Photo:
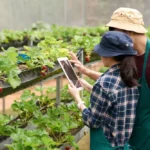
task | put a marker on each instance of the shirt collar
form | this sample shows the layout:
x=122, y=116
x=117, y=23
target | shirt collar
x=114, y=67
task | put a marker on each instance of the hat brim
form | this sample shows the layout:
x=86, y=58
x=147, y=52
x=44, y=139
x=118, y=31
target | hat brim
x=127, y=26
x=101, y=51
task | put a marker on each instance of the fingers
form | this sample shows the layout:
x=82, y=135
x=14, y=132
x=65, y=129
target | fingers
x=69, y=87
x=75, y=61
x=73, y=56
x=71, y=84
x=82, y=80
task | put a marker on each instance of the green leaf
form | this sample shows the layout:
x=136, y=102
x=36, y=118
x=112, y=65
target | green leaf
x=14, y=81
x=12, y=54
x=26, y=95
x=4, y=63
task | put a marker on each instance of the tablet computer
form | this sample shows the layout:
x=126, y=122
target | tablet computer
x=69, y=72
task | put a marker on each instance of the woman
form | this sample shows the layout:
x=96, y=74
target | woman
x=114, y=96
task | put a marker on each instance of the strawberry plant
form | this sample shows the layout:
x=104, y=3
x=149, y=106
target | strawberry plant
x=44, y=68
x=53, y=49
x=39, y=25
x=85, y=42
x=57, y=122
x=7, y=36
x=31, y=139
x=63, y=33
x=9, y=70
x=38, y=35
x=87, y=58
x=37, y=58
x=65, y=96
x=68, y=33
x=5, y=130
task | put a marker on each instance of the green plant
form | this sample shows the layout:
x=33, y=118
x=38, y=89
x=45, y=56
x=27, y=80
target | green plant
x=31, y=140
x=57, y=122
x=37, y=58
x=85, y=42
x=5, y=130
x=53, y=48
x=65, y=96
x=40, y=25
x=9, y=70
x=7, y=36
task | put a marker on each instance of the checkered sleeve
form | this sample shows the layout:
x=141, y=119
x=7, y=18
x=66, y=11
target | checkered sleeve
x=94, y=116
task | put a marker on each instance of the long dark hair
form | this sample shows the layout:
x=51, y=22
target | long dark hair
x=128, y=70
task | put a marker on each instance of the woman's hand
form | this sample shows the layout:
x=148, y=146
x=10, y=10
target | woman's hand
x=77, y=63
x=86, y=85
x=74, y=92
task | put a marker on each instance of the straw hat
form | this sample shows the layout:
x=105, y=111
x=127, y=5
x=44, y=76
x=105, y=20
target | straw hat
x=127, y=19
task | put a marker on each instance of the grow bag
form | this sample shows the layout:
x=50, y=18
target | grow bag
x=78, y=135
x=14, y=44
x=29, y=78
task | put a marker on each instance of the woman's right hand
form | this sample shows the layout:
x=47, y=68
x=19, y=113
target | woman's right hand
x=77, y=63
x=86, y=85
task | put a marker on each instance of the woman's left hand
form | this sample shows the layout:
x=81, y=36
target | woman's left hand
x=74, y=91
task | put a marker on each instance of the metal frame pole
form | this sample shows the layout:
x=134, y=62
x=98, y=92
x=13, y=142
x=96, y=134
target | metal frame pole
x=58, y=89
x=30, y=43
x=3, y=105
x=81, y=58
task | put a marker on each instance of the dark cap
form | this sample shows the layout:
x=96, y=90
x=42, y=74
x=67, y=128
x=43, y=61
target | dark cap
x=115, y=43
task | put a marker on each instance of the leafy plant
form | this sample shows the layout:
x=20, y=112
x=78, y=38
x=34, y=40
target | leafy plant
x=5, y=130
x=65, y=96
x=9, y=70
x=85, y=42
x=7, y=36
x=37, y=58
x=58, y=123
x=40, y=25
x=31, y=140
x=53, y=48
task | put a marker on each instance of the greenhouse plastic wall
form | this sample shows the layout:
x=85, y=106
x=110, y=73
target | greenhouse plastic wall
x=20, y=14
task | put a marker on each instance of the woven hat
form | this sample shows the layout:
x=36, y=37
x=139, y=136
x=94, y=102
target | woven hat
x=127, y=19
x=115, y=43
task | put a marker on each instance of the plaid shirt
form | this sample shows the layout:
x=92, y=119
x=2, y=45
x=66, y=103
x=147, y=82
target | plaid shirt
x=112, y=107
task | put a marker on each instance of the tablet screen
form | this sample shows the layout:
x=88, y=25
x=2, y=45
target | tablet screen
x=69, y=71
